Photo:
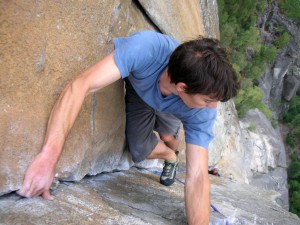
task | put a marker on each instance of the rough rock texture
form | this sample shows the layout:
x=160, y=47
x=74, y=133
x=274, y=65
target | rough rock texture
x=191, y=16
x=209, y=12
x=263, y=142
x=282, y=79
x=182, y=20
x=136, y=197
x=265, y=155
x=249, y=151
x=291, y=81
x=227, y=151
x=42, y=47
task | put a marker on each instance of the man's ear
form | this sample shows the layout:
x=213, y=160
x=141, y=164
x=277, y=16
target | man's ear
x=180, y=87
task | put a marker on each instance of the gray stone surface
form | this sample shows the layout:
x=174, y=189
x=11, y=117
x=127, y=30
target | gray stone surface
x=265, y=154
x=276, y=91
x=291, y=86
x=43, y=46
x=182, y=19
x=227, y=150
x=210, y=18
x=249, y=150
x=136, y=197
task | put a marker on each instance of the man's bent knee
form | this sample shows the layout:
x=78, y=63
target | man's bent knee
x=140, y=150
x=167, y=137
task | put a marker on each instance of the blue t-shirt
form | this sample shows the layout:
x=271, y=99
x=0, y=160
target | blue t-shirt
x=143, y=57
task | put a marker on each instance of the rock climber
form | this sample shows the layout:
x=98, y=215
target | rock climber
x=167, y=83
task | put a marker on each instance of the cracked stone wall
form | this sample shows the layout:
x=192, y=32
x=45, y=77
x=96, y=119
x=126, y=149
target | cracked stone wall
x=43, y=46
x=136, y=197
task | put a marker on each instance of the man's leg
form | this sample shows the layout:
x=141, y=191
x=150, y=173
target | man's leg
x=141, y=120
x=168, y=128
x=140, y=123
x=162, y=151
x=166, y=149
x=171, y=141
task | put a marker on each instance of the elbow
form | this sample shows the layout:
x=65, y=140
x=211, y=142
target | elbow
x=78, y=86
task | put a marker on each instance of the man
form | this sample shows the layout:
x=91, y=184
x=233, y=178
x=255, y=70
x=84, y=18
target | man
x=165, y=83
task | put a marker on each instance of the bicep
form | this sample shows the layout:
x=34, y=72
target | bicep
x=100, y=75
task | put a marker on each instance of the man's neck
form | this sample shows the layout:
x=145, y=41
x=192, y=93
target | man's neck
x=165, y=86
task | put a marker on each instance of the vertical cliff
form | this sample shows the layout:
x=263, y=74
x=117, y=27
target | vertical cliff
x=281, y=80
x=42, y=47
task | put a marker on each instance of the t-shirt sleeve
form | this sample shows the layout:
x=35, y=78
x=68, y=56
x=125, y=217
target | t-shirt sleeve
x=199, y=128
x=134, y=53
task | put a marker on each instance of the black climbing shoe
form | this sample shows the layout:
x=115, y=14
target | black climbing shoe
x=168, y=174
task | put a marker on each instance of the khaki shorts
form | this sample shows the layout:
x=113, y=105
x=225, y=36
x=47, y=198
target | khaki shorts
x=141, y=121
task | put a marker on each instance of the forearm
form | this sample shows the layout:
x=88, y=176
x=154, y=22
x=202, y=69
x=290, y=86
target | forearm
x=40, y=173
x=197, y=199
x=197, y=186
x=62, y=118
x=67, y=107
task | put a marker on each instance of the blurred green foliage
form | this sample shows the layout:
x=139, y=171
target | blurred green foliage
x=282, y=40
x=291, y=8
x=239, y=34
x=249, y=98
x=250, y=57
x=292, y=117
x=294, y=185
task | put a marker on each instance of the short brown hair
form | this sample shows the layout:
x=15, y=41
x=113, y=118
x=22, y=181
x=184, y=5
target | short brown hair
x=204, y=67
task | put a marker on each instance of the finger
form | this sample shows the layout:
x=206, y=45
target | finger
x=30, y=190
x=36, y=190
x=19, y=192
x=46, y=194
x=25, y=188
x=36, y=193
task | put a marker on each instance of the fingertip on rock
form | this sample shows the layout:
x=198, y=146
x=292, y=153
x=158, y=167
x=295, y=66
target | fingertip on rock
x=48, y=196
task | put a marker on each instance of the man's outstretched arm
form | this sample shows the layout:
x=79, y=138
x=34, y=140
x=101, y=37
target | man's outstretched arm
x=197, y=186
x=40, y=174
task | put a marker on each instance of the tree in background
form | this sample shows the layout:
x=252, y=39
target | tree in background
x=294, y=185
x=250, y=56
x=291, y=8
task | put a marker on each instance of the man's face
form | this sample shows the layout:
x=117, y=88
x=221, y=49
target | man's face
x=195, y=100
x=198, y=100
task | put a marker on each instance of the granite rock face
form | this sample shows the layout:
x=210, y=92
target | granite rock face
x=227, y=151
x=281, y=80
x=43, y=47
x=265, y=155
x=182, y=20
x=209, y=13
x=136, y=197
x=249, y=150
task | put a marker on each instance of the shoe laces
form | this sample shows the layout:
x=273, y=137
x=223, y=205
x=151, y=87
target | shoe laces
x=167, y=168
